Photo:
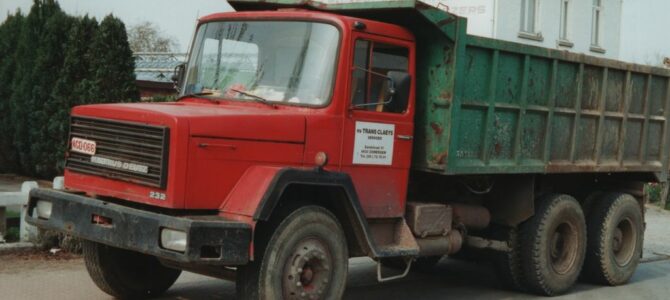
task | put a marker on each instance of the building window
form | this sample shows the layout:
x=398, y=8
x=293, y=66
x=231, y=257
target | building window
x=529, y=20
x=596, y=26
x=563, y=39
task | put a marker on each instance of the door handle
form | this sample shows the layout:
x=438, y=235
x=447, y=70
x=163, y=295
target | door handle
x=405, y=137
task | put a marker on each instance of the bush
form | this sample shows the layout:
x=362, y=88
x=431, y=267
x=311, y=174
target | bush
x=653, y=191
x=55, y=61
x=12, y=235
x=48, y=239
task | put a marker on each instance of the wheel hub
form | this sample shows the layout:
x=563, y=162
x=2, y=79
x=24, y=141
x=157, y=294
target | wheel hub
x=563, y=248
x=308, y=271
x=616, y=240
x=624, y=238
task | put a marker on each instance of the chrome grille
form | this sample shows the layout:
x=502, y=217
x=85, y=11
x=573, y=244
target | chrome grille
x=122, y=142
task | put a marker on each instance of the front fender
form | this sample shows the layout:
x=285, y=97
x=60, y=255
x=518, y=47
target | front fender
x=260, y=189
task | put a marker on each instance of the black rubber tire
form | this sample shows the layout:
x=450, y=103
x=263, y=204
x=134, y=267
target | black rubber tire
x=616, y=214
x=125, y=274
x=264, y=278
x=508, y=264
x=558, y=223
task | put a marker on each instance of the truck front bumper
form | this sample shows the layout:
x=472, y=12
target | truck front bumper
x=211, y=240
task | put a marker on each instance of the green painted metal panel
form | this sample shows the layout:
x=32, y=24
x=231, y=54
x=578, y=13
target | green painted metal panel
x=488, y=106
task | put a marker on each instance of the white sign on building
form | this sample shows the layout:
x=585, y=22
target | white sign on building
x=480, y=14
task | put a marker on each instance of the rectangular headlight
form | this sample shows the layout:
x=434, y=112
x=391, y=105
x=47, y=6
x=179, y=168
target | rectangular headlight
x=43, y=209
x=173, y=239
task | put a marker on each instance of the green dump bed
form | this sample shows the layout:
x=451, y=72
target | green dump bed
x=488, y=106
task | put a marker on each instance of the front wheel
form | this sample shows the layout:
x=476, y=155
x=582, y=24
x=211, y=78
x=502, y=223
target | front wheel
x=304, y=258
x=125, y=274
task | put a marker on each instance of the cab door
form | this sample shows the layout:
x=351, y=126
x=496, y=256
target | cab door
x=378, y=125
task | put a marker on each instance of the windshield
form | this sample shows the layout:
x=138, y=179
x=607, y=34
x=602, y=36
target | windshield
x=273, y=61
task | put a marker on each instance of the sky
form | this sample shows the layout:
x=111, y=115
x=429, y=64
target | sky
x=175, y=18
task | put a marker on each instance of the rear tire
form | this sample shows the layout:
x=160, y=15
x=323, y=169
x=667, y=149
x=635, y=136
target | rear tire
x=304, y=258
x=508, y=264
x=553, y=245
x=126, y=274
x=615, y=235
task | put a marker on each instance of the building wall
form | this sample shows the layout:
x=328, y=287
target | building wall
x=505, y=22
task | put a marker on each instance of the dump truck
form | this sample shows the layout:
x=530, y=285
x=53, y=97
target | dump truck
x=308, y=133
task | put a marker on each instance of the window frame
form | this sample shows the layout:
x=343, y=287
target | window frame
x=338, y=55
x=368, y=73
x=596, y=27
x=529, y=25
x=564, y=28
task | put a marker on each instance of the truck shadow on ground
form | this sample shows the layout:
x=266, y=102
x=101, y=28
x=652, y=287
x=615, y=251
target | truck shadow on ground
x=451, y=279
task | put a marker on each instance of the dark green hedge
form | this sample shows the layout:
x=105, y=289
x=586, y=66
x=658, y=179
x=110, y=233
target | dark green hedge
x=50, y=62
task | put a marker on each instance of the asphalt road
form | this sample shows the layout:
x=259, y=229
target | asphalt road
x=449, y=280
x=40, y=278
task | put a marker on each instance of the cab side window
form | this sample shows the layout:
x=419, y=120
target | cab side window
x=370, y=83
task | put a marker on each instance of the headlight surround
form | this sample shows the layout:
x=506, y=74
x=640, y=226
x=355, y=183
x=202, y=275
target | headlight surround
x=174, y=240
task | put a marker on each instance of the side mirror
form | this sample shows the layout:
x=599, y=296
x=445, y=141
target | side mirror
x=178, y=76
x=401, y=84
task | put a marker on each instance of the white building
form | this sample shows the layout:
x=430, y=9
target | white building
x=585, y=26
x=628, y=30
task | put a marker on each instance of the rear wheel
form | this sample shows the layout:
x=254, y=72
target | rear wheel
x=553, y=245
x=125, y=274
x=508, y=264
x=304, y=258
x=615, y=233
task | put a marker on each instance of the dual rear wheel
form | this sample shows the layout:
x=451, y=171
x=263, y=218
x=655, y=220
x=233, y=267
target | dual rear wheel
x=551, y=250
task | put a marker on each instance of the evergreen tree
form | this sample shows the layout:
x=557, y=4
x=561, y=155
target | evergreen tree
x=10, y=31
x=112, y=66
x=50, y=62
x=24, y=89
x=66, y=93
x=48, y=65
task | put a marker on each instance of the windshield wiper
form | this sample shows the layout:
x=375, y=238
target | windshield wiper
x=199, y=96
x=255, y=97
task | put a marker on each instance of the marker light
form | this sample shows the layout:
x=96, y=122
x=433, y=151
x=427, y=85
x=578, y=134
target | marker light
x=173, y=239
x=44, y=209
x=321, y=159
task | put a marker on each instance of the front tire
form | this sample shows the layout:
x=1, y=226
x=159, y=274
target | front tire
x=553, y=245
x=126, y=274
x=304, y=258
x=615, y=235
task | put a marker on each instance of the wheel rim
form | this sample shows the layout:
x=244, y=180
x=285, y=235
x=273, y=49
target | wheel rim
x=308, y=272
x=563, y=246
x=623, y=241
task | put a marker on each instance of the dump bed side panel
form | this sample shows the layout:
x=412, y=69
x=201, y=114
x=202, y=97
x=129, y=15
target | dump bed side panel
x=527, y=109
